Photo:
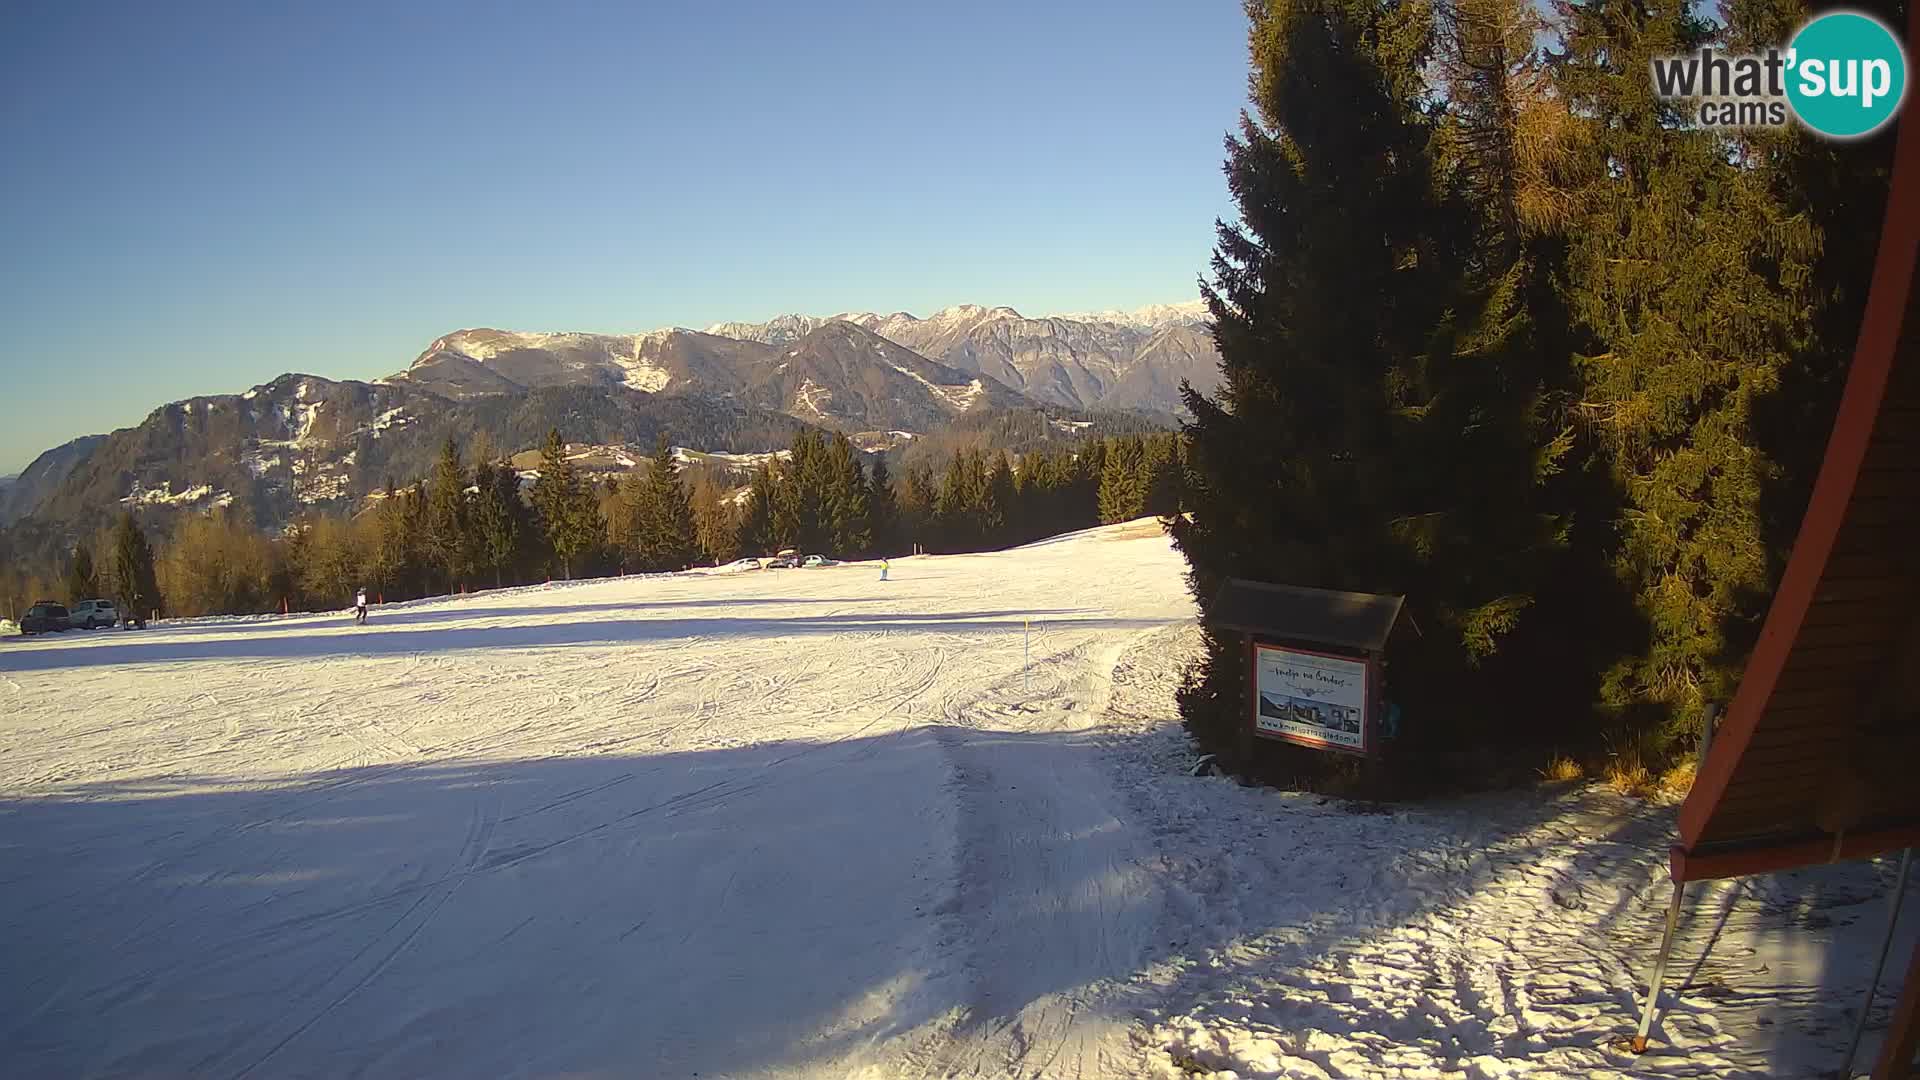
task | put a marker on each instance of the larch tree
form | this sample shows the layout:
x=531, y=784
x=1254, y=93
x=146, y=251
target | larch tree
x=1693, y=280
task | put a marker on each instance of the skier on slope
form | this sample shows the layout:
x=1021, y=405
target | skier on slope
x=360, y=606
x=883, y=568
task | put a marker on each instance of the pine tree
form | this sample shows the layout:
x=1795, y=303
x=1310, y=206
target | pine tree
x=956, y=512
x=497, y=518
x=757, y=533
x=919, y=496
x=662, y=530
x=808, y=474
x=567, y=509
x=415, y=522
x=390, y=553
x=845, y=502
x=1331, y=300
x=997, y=504
x=449, y=531
x=1123, y=482
x=883, y=510
x=133, y=571
x=1693, y=280
x=82, y=584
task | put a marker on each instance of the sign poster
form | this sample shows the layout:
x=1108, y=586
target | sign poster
x=1310, y=698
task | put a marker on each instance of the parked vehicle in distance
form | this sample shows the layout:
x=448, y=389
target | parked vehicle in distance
x=91, y=614
x=782, y=562
x=818, y=560
x=46, y=617
x=743, y=564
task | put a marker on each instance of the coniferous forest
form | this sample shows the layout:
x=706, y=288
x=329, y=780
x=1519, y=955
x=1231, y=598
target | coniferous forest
x=476, y=521
x=1507, y=335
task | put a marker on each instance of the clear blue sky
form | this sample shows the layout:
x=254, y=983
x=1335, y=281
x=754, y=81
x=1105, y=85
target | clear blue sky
x=196, y=197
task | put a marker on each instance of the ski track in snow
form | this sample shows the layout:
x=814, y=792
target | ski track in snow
x=806, y=824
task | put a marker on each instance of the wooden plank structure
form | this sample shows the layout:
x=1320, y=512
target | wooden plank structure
x=1818, y=757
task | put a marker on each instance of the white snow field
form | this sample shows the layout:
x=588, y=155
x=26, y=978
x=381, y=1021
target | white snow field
x=804, y=823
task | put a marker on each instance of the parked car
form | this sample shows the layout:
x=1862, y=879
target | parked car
x=782, y=562
x=46, y=617
x=743, y=564
x=819, y=560
x=90, y=614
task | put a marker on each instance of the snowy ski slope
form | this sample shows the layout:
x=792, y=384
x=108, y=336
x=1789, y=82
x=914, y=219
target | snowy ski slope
x=808, y=824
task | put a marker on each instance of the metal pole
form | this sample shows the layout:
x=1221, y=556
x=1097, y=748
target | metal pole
x=1659, y=968
x=1026, y=655
x=1886, y=941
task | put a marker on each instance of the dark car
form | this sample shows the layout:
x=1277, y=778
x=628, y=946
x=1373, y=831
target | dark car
x=46, y=617
x=783, y=562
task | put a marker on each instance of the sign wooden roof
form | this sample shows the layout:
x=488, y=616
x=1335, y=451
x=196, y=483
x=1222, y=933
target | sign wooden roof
x=1352, y=620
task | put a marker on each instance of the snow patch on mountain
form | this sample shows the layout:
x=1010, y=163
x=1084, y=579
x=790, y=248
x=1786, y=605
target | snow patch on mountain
x=810, y=397
x=1151, y=317
x=164, y=495
x=960, y=398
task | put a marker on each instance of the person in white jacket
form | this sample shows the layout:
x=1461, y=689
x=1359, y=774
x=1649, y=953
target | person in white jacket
x=360, y=606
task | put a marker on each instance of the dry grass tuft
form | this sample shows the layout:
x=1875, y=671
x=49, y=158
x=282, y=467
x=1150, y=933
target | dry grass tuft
x=1563, y=769
x=1677, y=781
x=1627, y=774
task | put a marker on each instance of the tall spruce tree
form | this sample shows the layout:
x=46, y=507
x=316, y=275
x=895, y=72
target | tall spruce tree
x=133, y=572
x=919, y=498
x=845, y=500
x=1841, y=189
x=883, y=510
x=1123, y=490
x=390, y=550
x=82, y=582
x=449, y=530
x=997, y=504
x=568, y=509
x=1693, y=280
x=757, y=533
x=1353, y=399
x=662, y=532
x=498, y=518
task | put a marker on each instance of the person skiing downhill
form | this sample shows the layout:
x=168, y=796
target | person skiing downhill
x=360, y=606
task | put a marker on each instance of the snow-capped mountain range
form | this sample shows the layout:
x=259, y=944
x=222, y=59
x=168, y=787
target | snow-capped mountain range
x=306, y=441
x=1108, y=360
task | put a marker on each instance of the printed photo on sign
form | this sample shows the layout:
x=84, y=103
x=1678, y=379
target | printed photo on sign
x=1313, y=698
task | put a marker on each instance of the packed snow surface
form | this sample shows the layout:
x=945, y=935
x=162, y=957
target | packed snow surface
x=803, y=823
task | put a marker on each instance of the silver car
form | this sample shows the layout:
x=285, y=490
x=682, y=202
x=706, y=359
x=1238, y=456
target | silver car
x=90, y=614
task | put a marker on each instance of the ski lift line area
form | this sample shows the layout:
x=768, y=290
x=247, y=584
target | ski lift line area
x=1817, y=756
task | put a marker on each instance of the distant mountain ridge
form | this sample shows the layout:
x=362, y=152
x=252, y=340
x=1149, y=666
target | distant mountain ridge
x=20, y=494
x=1108, y=360
x=836, y=374
x=305, y=441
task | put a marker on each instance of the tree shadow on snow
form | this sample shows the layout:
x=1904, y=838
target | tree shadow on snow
x=710, y=912
x=1520, y=927
x=390, y=636
x=452, y=608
